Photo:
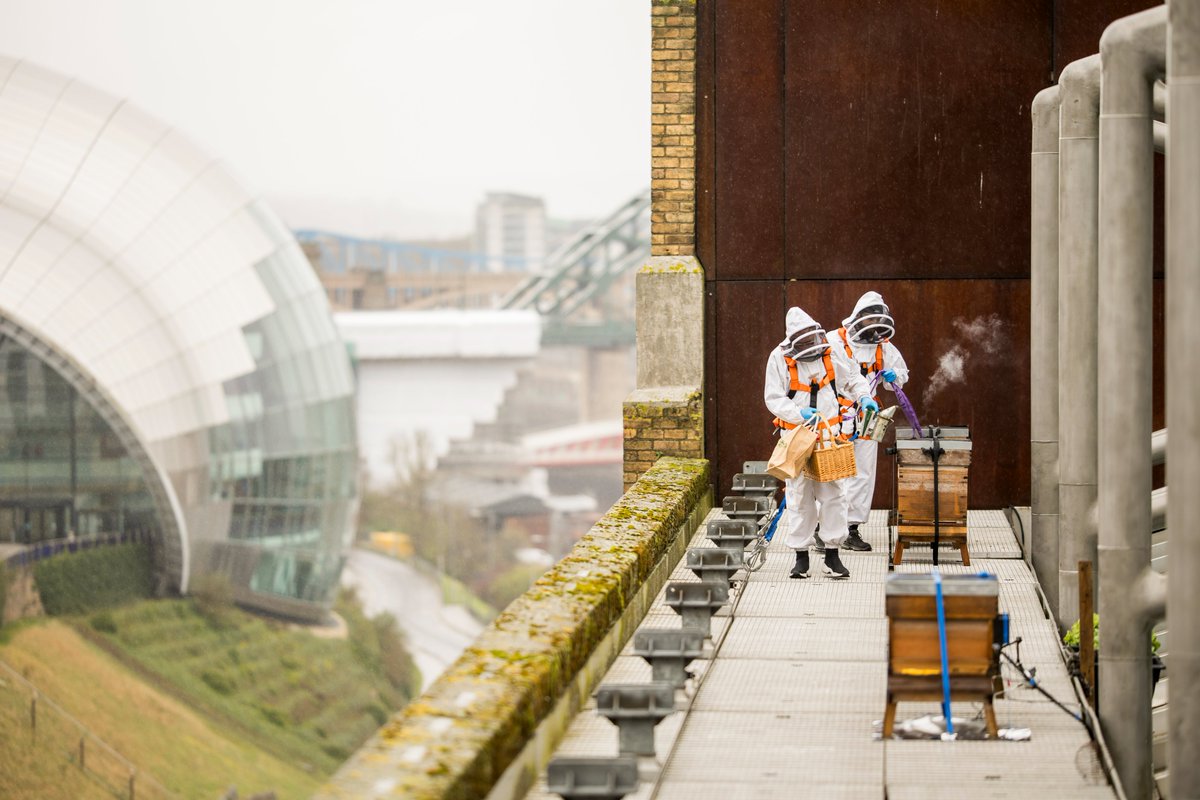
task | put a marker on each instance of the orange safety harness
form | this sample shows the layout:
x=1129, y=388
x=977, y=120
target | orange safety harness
x=866, y=366
x=814, y=388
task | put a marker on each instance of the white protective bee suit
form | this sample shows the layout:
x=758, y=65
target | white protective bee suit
x=869, y=358
x=800, y=519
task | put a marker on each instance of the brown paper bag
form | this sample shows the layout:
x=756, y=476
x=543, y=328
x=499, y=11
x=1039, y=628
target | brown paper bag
x=791, y=452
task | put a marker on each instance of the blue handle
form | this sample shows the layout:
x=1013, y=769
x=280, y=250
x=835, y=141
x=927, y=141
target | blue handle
x=941, y=618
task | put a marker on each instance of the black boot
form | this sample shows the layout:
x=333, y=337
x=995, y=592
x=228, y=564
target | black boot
x=834, y=567
x=855, y=541
x=800, y=570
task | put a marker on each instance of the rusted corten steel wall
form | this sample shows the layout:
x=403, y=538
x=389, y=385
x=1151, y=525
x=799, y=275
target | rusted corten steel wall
x=842, y=147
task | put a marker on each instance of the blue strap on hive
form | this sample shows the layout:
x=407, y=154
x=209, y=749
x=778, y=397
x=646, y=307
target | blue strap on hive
x=941, y=618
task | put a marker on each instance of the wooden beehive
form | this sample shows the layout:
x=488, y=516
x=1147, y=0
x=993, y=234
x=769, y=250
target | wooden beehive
x=915, y=490
x=971, y=604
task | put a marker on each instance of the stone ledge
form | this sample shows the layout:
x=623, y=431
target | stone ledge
x=457, y=739
x=662, y=395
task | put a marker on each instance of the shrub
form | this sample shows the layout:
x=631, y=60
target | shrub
x=104, y=622
x=378, y=713
x=3, y=591
x=273, y=715
x=336, y=751
x=219, y=681
x=379, y=646
x=212, y=594
x=1071, y=637
x=398, y=666
x=79, y=583
x=511, y=584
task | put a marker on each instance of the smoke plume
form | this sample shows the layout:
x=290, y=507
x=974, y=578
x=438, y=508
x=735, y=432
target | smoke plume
x=981, y=341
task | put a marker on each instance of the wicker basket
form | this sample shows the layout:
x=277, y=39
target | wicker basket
x=831, y=460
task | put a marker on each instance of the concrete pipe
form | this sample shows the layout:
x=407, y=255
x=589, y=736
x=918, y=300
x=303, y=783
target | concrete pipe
x=1158, y=509
x=1160, y=137
x=1043, y=356
x=1183, y=415
x=1079, y=130
x=1133, y=50
x=1158, y=447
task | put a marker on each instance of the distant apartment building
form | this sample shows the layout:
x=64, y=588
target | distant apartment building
x=381, y=275
x=511, y=228
x=513, y=241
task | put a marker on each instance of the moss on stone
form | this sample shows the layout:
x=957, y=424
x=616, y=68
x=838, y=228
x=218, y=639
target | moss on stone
x=679, y=265
x=500, y=689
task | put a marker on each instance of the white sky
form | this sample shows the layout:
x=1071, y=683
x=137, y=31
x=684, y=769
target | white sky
x=377, y=117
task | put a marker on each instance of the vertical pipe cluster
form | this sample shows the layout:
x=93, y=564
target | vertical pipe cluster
x=1079, y=132
x=1133, y=54
x=1183, y=388
x=1109, y=109
x=1043, y=357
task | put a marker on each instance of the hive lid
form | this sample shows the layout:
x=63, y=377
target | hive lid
x=913, y=583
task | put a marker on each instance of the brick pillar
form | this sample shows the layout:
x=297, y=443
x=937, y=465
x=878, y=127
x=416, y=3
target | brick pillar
x=668, y=419
x=673, y=127
x=661, y=421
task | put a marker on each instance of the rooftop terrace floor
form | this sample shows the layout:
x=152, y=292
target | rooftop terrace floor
x=789, y=703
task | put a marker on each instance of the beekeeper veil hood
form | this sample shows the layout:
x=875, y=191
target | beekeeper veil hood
x=805, y=337
x=871, y=322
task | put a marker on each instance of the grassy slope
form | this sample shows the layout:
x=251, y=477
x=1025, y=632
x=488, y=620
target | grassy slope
x=163, y=736
x=306, y=699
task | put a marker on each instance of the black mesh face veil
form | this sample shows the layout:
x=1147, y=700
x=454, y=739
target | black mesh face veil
x=807, y=343
x=872, y=325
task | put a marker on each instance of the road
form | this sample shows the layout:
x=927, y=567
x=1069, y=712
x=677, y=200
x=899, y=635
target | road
x=436, y=633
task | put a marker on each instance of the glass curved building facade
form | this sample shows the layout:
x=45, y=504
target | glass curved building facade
x=167, y=356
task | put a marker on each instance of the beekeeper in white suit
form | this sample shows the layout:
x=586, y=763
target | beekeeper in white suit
x=865, y=339
x=807, y=377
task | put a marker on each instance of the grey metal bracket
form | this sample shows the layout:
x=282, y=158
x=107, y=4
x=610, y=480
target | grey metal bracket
x=697, y=602
x=668, y=651
x=739, y=533
x=754, y=466
x=635, y=708
x=716, y=564
x=751, y=508
x=755, y=484
x=582, y=778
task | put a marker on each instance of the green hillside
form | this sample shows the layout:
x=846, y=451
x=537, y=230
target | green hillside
x=179, y=747
x=204, y=696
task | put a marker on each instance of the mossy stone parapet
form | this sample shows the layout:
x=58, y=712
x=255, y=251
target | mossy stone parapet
x=456, y=740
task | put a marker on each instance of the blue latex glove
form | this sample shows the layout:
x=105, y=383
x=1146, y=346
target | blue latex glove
x=866, y=402
x=807, y=413
x=889, y=375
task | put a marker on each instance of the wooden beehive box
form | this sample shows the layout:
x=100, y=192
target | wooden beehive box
x=971, y=603
x=915, y=481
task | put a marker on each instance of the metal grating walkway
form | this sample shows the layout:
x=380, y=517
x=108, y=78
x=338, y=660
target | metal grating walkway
x=790, y=704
